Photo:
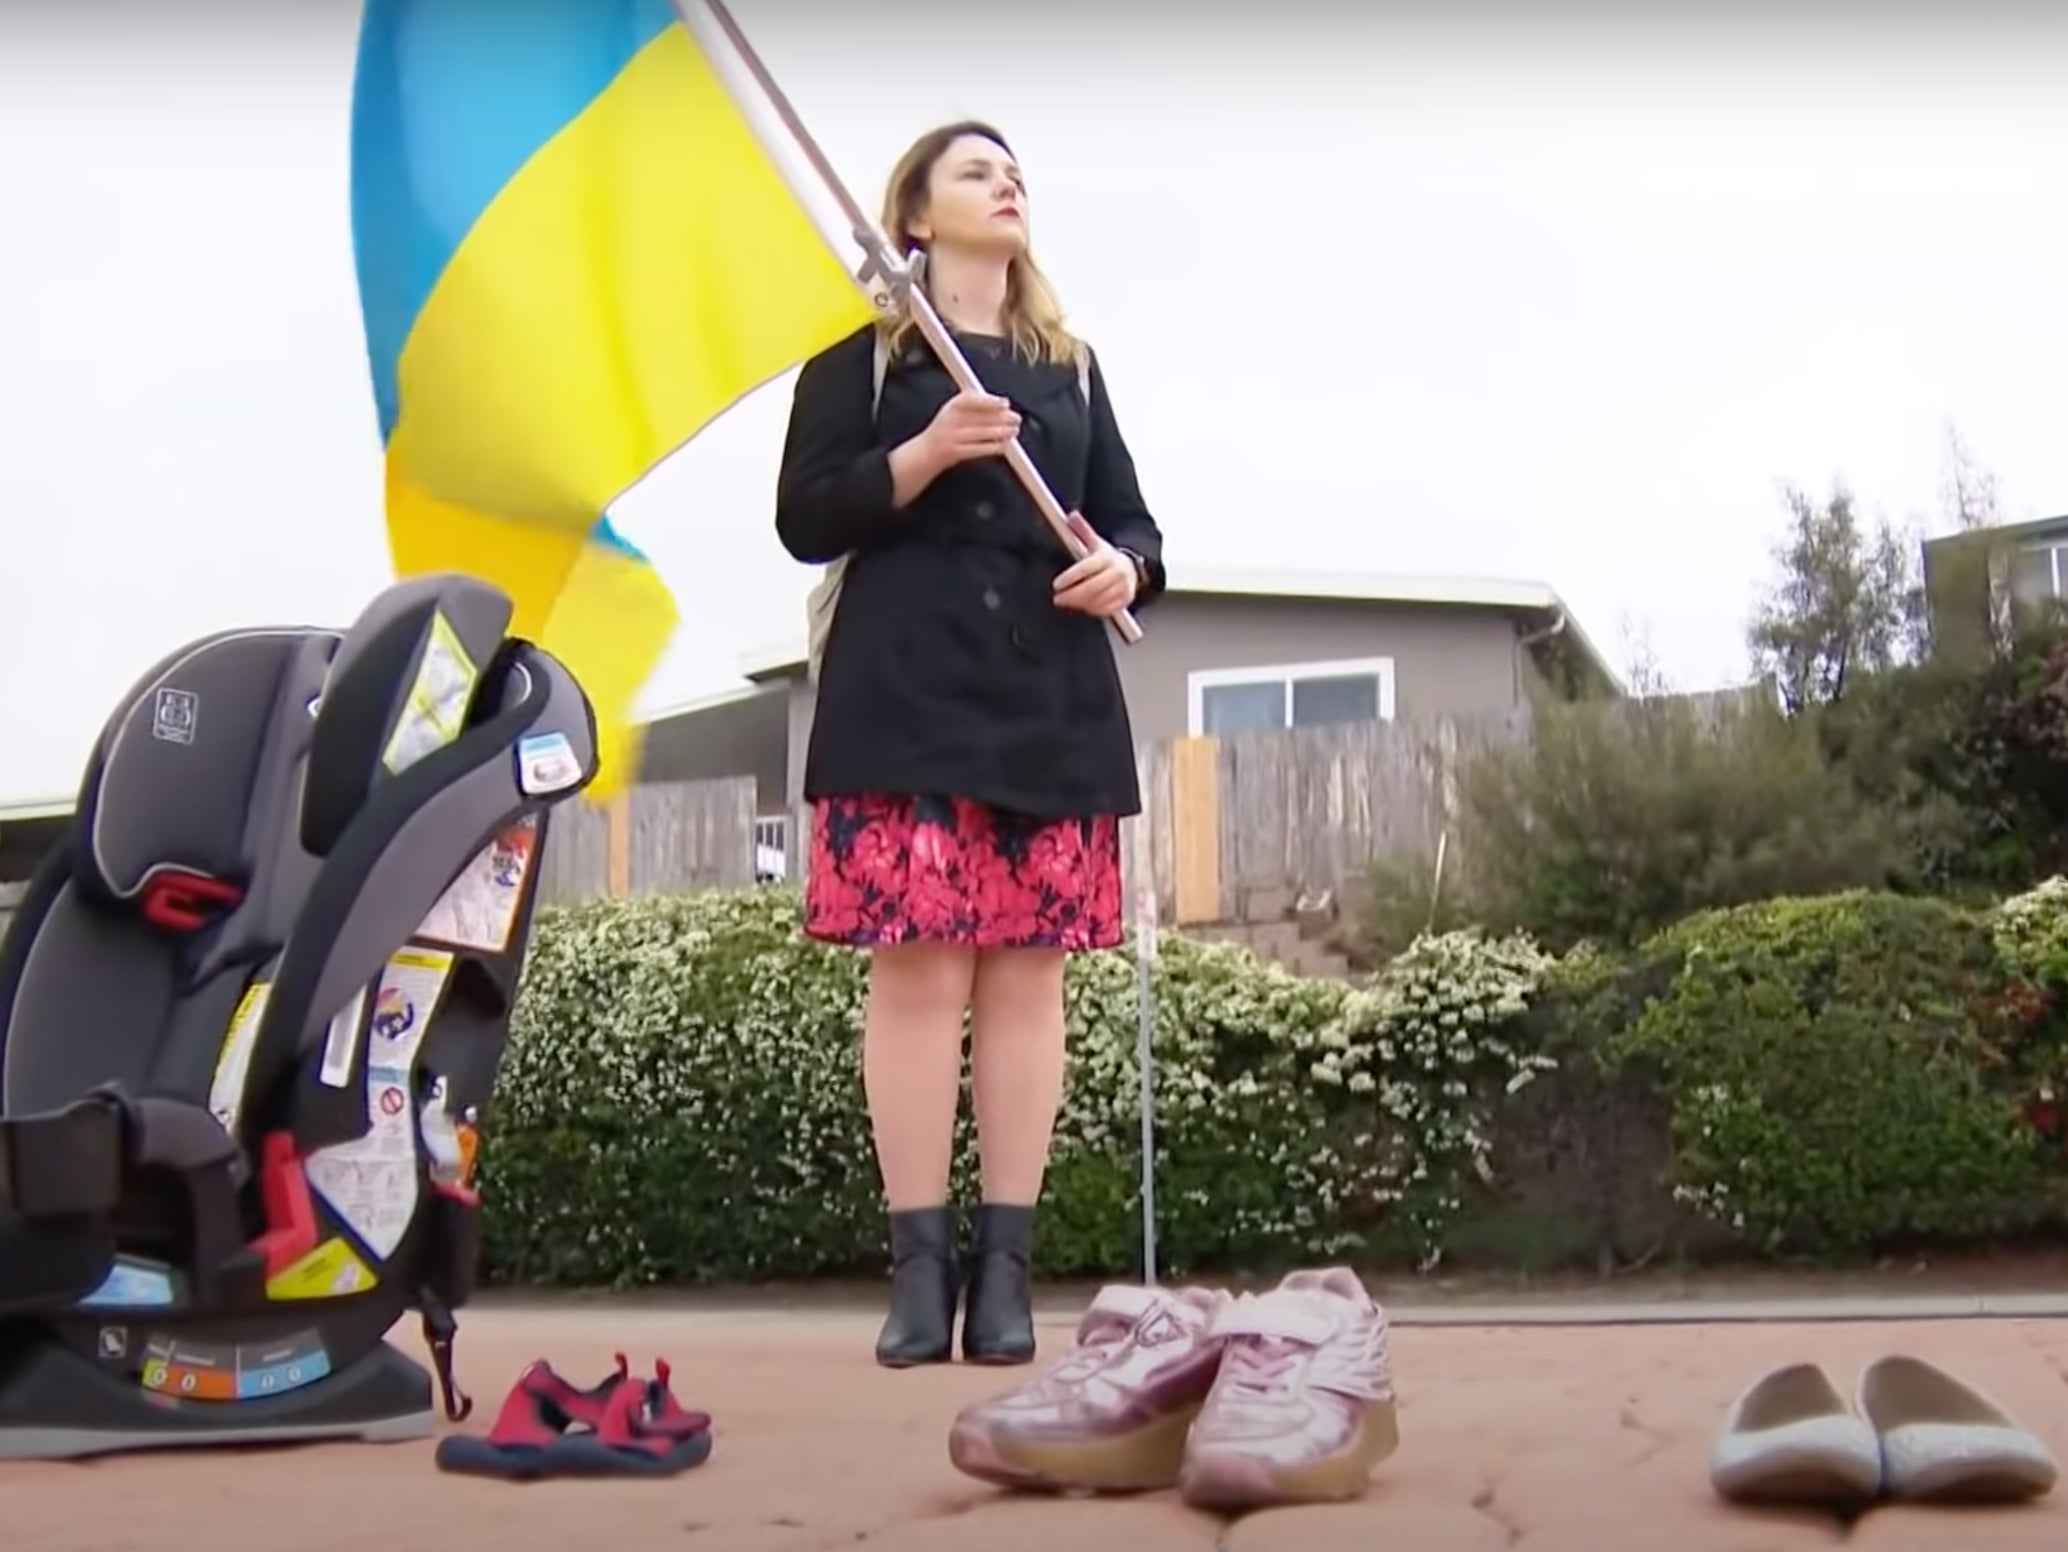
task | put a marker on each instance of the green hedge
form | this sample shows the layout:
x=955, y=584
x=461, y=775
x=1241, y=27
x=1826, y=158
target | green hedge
x=681, y=1101
x=1832, y=1070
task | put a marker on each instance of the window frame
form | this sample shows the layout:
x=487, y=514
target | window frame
x=2054, y=550
x=1201, y=680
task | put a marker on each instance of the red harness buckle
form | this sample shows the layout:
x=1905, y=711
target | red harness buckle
x=289, y=1208
x=179, y=901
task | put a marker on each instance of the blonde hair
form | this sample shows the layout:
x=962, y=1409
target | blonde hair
x=1033, y=314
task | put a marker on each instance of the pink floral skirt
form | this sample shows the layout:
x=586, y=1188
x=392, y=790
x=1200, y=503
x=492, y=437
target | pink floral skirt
x=888, y=870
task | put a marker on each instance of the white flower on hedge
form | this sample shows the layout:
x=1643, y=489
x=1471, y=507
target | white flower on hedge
x=700, y=1056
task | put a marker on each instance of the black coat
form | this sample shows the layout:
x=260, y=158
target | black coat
x=949, y=670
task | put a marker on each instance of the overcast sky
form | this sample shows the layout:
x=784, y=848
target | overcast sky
x=1561, y=301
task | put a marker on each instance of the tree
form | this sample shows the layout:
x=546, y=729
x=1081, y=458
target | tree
x=1967, y=491
x=1968, y=585
x=1847, y=601
x=1642, y=675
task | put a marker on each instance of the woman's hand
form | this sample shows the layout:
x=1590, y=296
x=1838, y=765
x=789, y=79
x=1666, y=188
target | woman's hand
x=971, y=426
x=1102, y=583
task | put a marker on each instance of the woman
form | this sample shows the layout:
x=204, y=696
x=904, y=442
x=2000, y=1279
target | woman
x=970, y=757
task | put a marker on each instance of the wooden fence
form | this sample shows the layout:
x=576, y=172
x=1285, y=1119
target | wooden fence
x=1239, y=828
x=669, y=838
x=1232, y=829
x=1236, y=828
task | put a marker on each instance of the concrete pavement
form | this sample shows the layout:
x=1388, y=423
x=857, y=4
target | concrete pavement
x=1586, y=1438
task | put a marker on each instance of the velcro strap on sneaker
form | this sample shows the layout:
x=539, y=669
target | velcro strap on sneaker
x=1277, y=1315
x=1125, y=1302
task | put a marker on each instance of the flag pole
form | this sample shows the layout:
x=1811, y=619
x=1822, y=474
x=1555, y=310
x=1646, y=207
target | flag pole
x=890, y=267
x=1144, y=859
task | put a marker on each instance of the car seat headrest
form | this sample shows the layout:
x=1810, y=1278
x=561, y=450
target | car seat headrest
x=404, y=684
x=166, y=805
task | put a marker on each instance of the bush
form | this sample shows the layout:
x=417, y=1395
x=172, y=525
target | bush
x=1900, y=739
x=677, y=1096
x=1435, y=1044
x=2031, y=935
x=1967, y=752
x=1835, y=1069
x=2013, y=758
x=1581, y=1157
x=681, y=1102
x=1611, y=821
x=1248, y=1168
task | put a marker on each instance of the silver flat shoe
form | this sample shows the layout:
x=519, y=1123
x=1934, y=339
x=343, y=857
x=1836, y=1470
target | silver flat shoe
x=1791, y=1438
x=1945, y=1441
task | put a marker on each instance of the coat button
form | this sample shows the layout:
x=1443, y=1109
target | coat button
x=991, y=598
x=984, y=511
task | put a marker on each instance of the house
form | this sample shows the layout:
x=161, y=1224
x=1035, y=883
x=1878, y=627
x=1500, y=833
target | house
x=1974, y=578
x=1222, y=653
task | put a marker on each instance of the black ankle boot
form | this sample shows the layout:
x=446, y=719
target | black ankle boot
x=923, y=1286
x=998, y=1319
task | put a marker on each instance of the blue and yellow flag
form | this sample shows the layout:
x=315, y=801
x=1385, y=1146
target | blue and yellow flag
x=574, y=253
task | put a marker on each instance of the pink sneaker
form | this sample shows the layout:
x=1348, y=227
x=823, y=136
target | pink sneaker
x=1112, y=1414
x=1303, y=1406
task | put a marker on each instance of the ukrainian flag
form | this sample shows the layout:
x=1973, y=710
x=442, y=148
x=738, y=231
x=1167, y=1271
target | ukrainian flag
x=574, y=253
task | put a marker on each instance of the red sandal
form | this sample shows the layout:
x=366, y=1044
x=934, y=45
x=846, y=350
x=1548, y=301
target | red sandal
x=636, y=1438
x=664, y=1414
x=574, y=1403
x=530, y=1435
x=549, y=1427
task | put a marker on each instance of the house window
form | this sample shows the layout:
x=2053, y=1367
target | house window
x=2039, y=574
x=1227, y=701
x=771, y=848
